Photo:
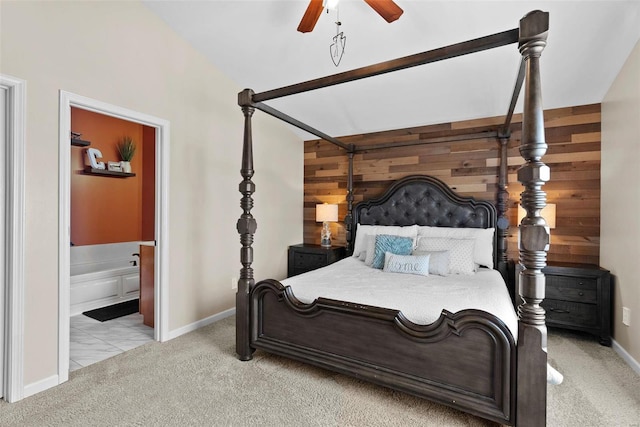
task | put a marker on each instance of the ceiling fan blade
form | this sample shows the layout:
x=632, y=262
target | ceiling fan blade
x=386, y=8
x=311, y=16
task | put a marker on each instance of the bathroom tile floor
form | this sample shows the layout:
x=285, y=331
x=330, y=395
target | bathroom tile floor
x=93, y=341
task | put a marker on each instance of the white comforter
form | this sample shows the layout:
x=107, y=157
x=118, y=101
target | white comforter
x=421, y=299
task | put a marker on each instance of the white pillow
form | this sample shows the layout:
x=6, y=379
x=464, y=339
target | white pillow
x=483, y=250
x=406, y=264
x=370, y=249
x=460, y=252
x=392, y=230
x=363, y=256
x=438, y=263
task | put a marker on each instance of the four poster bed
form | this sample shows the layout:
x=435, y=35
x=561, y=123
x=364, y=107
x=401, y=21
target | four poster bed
x=490, y=364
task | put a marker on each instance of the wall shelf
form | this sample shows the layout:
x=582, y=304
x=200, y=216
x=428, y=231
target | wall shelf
x=104, y=172
x=79, y=142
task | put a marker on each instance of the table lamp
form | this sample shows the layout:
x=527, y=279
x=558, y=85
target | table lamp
x=326, y=213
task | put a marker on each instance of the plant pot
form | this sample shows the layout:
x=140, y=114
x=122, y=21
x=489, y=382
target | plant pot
x=126, y=166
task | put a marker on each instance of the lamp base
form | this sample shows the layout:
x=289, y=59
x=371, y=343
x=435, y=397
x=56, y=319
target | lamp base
x=325, y=237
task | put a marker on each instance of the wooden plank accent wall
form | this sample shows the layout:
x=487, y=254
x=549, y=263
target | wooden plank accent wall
x=471, y=168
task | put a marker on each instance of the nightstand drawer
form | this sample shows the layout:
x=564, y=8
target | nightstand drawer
x=571, y=282
x=570, y=294
x=571, y=313
x=309, y=260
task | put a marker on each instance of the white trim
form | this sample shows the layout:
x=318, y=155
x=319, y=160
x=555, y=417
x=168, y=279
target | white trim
x=201, y=323
x=14, y=312
x=161, y=307
x=161, y=266
x=626, y=356
x=42, y=385
x=64, y=237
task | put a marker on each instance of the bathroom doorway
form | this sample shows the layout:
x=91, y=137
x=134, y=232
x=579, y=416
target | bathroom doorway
x=112, y=235
x=108, y=214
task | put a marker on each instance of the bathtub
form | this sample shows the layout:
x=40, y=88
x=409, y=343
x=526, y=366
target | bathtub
x=103, y=275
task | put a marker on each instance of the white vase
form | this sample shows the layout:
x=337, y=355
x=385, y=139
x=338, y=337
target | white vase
x=126, y=166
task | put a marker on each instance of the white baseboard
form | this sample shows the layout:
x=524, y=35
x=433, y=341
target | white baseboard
x=52, y=381
x=626, y=356
x=38, y=386
x=200, y=323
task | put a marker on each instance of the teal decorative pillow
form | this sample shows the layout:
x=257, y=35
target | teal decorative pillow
x=395, y=244
x=407, y=264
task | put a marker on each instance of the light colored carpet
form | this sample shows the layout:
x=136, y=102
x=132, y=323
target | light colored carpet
x=195, y=380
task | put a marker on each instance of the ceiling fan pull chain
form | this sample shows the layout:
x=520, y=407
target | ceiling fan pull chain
x=339, y=41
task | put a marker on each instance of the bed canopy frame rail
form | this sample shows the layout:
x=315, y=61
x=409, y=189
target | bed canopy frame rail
x=533, y=232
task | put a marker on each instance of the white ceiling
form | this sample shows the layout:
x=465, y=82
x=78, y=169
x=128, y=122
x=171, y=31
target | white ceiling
x=256, y=44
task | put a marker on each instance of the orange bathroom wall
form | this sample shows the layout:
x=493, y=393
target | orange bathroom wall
x=105, y=209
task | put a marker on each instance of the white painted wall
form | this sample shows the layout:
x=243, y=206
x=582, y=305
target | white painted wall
x=620, y=198
x=122, y=54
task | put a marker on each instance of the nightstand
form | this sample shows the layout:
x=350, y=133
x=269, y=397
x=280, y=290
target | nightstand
x=307, y=257
x=578, y=297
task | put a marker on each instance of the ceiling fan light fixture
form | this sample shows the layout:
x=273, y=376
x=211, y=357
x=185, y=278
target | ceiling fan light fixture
x=330, y=4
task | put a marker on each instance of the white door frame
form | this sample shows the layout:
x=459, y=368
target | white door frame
x=161, y=315
x=13, y=344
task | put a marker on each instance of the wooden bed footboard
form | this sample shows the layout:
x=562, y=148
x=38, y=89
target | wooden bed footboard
x=466, y=360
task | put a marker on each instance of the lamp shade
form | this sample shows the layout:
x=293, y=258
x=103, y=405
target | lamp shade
x=326, y=212
x=548, y=213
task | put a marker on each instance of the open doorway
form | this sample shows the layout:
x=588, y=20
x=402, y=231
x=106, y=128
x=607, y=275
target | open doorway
x=12, y=132
x=112, y=235
x=94, y=219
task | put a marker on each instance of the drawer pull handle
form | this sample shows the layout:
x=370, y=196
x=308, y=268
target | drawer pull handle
x=581, y=294
x=558, y=310
x=580, y=283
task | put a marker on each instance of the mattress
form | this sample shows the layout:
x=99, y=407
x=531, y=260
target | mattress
x=420, y=298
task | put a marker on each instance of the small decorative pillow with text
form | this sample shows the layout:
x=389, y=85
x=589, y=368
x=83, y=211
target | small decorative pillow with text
x=395, y=244
x=460, y=252
x=438, y=263
x=407, y=264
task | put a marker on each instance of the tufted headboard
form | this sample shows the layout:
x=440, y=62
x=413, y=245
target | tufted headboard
x=425, y=200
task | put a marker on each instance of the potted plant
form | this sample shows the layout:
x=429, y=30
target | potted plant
x=126, y=149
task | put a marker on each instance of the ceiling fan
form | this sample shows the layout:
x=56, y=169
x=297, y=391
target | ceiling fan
x=385, y=8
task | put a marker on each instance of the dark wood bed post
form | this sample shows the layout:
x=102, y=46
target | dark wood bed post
x=246, y=228
x=348, y=219
x=502, y=206
x=533, y=232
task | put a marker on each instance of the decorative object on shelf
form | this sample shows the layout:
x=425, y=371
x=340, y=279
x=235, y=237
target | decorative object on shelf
x=548, y=213
x=93, y=154
x=126, y=149
x=326, y=213
x=75, y=140
x=115, y=166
